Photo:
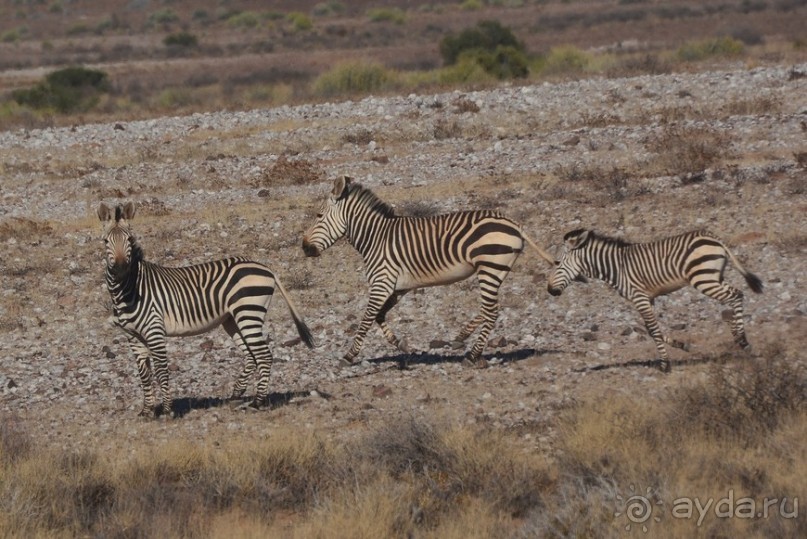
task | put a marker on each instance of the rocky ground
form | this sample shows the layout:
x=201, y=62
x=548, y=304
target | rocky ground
x=638, y=157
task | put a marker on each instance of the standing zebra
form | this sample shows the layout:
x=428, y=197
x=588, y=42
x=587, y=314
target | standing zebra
x=152, y=302
x=641, y=272
x=404, y=253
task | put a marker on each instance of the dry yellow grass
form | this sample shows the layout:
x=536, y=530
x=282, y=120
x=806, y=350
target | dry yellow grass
x=435, y=479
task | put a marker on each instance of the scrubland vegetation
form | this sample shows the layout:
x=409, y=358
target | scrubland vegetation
x=742, y=429
x=486, y=43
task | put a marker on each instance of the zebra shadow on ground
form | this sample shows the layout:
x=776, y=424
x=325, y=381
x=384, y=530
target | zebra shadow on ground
x=433, y=358
x=653, y=363
x=184, y=405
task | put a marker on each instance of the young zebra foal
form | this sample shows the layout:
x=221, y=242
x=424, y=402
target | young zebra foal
x=641, y=272
x=152, y=302
x=403, y=253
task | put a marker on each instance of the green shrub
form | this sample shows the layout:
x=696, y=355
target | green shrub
x=180, y=39
x=505, y=62
x=10, y=36
x=354, y=78
x=66, y=90
x=244, y=19
x=725, y=46
x=331, y=7
x=565, y=59
x=299, y=21
x=471, y=5
x=163, y=16
x=384, y=14
x=486, y=36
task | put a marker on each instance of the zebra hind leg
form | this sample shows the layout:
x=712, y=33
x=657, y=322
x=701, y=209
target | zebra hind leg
x=733, y=298
x=489, y=284
x=250, y=329
x=240, y=386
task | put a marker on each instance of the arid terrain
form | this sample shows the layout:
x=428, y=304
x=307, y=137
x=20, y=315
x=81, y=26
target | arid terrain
x=211, y=185
x=637, y=157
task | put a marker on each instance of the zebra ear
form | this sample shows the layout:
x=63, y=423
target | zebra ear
x=576, y=240
x=340, y=185
x=105, y=213
x=128, y=210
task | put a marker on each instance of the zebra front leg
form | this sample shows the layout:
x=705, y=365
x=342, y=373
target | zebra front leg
x=645, y=307
x=380, y=292
x=470, y=327
x=159, y=364
x=381, y=320
x=144, y=372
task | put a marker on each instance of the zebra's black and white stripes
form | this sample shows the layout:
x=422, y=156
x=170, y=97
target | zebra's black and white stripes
x=641, y=272
x=152, y=302
x=404, y=253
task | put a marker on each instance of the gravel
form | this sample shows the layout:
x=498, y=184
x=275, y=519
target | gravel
x=544, y=154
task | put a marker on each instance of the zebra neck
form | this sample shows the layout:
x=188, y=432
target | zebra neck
x=363, y=231
x=123, y=288
x=605, y=266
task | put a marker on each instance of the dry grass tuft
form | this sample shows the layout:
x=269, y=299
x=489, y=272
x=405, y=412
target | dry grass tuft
x=21, y=228
x=687, y=149
x=286, y=171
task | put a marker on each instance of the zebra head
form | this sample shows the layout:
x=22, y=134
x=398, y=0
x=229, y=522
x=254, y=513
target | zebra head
x=331, y=223
x=570, y=266
x=119, y=242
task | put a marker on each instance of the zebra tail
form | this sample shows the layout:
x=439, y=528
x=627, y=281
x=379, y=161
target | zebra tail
x=302, y=328
x=754, y=282
x=546, y=256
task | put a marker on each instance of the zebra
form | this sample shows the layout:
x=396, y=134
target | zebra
x=640, y=272
x=404, y=253
x=152, y=302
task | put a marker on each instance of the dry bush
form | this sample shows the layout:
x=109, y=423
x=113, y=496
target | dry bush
x=21, y=228
x=742, y=428
x=463, y=104
x=612, y=180
x=292, y=172
x=446, y=467
x=360, y=136
x=743, y=404
x=755, y=106
x=445, y=128
x=15, y=443
x=687, y=149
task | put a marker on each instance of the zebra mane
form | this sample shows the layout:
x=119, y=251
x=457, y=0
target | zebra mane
x=618, y=242
x=369, y=198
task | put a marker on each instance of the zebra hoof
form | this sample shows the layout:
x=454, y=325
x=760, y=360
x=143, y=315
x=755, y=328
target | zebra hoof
x=345, y=363
x=403, y=346
x=257, y=403
x=474, y=362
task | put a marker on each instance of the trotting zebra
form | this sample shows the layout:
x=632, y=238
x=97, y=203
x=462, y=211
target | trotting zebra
x=152, y=302
x=404, y=253
x=641, y=272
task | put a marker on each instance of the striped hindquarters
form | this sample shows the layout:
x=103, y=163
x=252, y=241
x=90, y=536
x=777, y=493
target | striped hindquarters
x=194, y=299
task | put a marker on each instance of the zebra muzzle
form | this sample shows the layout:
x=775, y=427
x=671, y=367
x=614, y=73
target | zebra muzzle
x=554, y=291
x=310, y=249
